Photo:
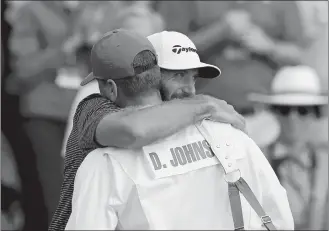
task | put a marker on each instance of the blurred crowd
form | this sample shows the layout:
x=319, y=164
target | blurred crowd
x=45, y=53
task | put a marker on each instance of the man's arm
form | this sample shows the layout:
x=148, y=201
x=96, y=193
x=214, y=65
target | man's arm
x=274, y=197
x=210, y=35
x=135, y=128
x=181, y=15
x=99, y=122
x=90, y=202
x=288, y=50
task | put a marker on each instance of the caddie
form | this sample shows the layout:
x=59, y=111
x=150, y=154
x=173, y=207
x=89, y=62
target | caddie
x=181, y=181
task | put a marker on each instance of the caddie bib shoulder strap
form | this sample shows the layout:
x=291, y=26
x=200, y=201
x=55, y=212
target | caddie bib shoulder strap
x=235, y=202
x=234, y=189
x=237, y=186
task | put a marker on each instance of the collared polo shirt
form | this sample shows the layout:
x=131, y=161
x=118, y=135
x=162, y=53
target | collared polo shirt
x=81, y=141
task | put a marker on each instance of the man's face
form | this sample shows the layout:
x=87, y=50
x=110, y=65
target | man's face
x=178, y=84
x=296, y=121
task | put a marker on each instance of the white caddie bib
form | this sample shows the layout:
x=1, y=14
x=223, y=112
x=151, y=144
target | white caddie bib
x=179, y=154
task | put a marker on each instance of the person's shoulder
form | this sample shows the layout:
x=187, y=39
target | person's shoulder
x=227, y=130
x=93, y=97
x=94, y=101
x=224, y=128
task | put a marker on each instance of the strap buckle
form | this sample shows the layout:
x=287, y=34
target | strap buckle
x=266, y=219
x=235, y=180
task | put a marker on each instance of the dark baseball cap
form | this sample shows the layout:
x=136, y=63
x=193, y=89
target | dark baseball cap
x=113, y=55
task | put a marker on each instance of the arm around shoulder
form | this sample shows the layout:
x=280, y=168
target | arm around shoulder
x=135, y=128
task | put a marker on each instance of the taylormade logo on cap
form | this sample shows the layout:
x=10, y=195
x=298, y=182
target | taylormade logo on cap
x=177, y=49
x=177, y=52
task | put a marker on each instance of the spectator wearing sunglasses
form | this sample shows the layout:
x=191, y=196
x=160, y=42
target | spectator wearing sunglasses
x=297, y=101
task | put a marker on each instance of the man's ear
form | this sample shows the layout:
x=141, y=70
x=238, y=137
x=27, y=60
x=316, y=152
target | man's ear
x=112, y=90
x=108, y=89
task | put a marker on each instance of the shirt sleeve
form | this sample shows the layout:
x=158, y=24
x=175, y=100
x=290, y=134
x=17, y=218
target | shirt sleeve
x=89, y=113
x=274, y=197
x=91, y=209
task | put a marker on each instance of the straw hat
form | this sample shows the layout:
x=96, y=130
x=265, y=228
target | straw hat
x=297, y=85
x=291, y=86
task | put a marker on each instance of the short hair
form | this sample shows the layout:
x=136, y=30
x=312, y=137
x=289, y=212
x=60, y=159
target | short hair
x=166, y=71
x=147, y=75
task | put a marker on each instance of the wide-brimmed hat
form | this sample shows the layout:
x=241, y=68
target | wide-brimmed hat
x=293, y=85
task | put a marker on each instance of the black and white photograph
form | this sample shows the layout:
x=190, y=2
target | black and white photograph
x=164, y=115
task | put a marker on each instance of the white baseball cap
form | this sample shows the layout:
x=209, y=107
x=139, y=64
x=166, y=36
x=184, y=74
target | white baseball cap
x=294, y=85
x=176, y=51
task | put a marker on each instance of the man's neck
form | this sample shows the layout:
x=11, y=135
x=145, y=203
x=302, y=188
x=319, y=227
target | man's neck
x=147, y=99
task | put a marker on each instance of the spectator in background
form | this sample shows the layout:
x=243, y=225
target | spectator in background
x=138, y=17
x=315, y=20
x=12, y=215
x=141, y=18
x=250, y=40
x=301, y=166
x=95, y=18
x=32, y=200
x=99, y=17
x=13, y=9
x=39, y=47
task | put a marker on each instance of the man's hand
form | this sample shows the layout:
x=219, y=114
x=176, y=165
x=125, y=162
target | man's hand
x=221, y=111
x=256, y=40
x=238, y=22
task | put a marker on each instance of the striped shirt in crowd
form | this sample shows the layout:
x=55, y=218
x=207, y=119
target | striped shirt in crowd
x=81, y=141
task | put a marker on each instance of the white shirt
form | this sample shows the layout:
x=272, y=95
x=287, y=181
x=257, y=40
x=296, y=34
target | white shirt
x=120, y=189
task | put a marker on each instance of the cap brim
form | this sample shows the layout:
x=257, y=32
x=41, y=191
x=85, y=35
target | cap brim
x=209, y=71
x=88, y=79
x=289, y=99
x=206, y=70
